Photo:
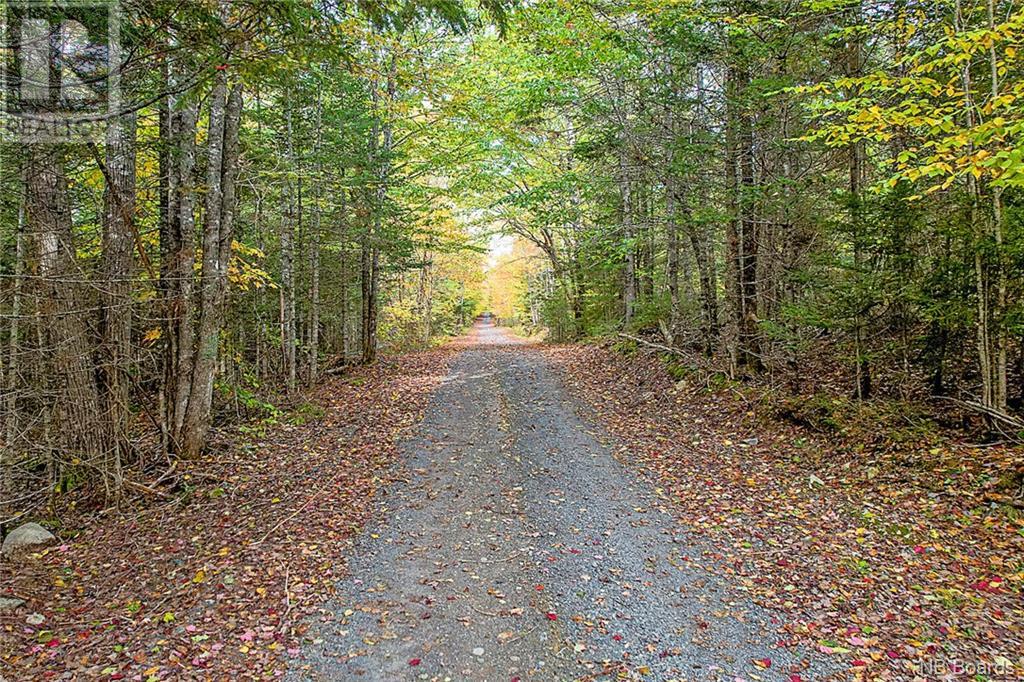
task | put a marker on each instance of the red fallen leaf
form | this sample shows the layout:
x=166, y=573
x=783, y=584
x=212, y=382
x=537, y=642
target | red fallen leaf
x=859, y=663
x=892, y=654
x=617, y=638
x=988, y=585
x=795, y=678
x=763, y=662
x=414, y=661
x=552, y=616
x=539, y=588
x=918, y=549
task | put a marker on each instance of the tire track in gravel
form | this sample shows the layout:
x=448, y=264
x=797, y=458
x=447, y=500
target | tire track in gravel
x=518, y=547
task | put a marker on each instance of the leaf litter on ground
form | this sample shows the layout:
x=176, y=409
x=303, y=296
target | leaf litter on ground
x=866, y=558
x=218, y=583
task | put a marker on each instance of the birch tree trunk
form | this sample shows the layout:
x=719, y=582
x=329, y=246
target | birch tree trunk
x=288, y=336
x=1001, y=340
x=218, y=228
x=992, y=385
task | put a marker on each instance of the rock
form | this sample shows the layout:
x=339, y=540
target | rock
x=26, y=538
x=10, y=603
x=35, y=619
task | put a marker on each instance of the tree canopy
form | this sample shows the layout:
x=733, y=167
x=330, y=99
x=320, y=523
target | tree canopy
x=288, y=188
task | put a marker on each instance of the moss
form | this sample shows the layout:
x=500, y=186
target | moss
x=305, y=413
x=677, y=370
x=625, y=347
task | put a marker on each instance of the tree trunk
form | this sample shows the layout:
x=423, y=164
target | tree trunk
x=703, y=256
x=116, y=322
x=370, y=313
x=367, y=341
x=734, y=290
x=343, y=254
x=288, y=332
x=1000, y=341
x=749, y=347
x=218, y=227
x=629, y=291
x=14, y=378
x=862, y=365
x=177, y=261
x=77, y=415
x=991, y=356
x=381, y=149
x=672, y=251
x=313, y=324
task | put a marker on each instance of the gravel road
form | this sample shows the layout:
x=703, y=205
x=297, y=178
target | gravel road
x=519, y=548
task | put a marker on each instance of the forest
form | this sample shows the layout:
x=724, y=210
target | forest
x=813, y=207
x=820, y=190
